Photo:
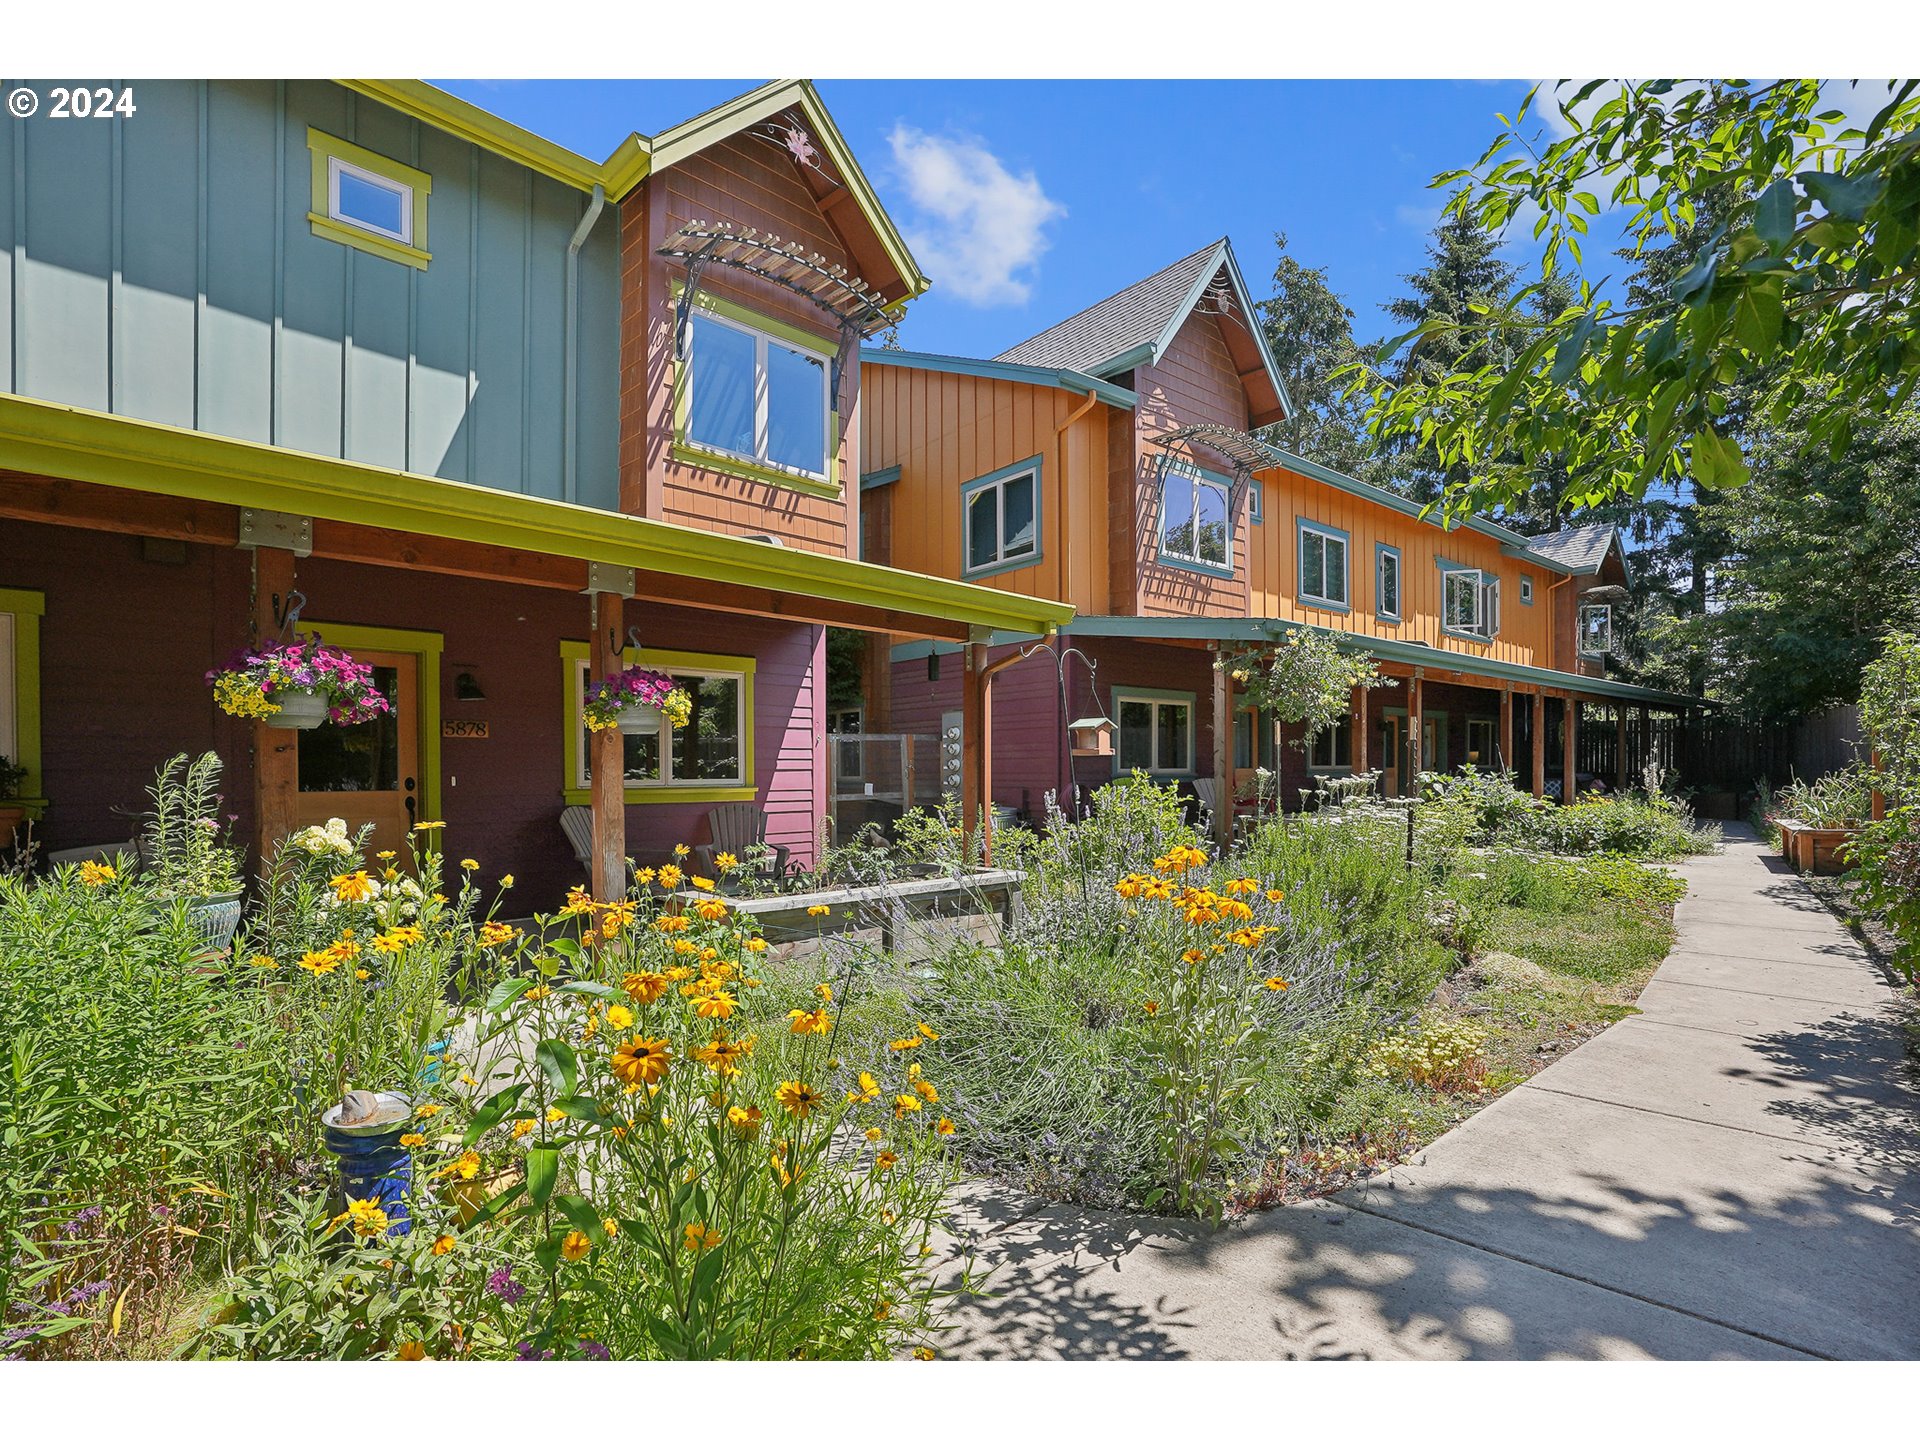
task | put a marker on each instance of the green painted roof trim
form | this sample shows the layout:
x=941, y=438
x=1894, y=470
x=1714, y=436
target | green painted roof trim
x=1074, y=380
x=1182, y=627
x=874, y=479
x=1512, y=542
x=66, y=441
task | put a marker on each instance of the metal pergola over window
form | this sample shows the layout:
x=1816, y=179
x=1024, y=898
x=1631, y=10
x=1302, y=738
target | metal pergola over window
x=1242, y=453
x=854, y=307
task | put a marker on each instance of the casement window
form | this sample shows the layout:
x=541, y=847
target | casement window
x=1196, y=527
x=1332, y=749
x=1000, y=516
x=1323, y=566
x=756, y=397
x=1470, y=603
x=1596, y=629
x=366, y=200
x=1156, y=733
x=708, y=758
x=1526, y=589
x=1480, y=742
x=1386, y=582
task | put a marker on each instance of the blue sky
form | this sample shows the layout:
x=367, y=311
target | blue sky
x=1029, y=200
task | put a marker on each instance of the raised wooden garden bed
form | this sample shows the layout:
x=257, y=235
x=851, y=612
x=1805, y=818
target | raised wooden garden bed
x=1815, y=849
x=912, y=917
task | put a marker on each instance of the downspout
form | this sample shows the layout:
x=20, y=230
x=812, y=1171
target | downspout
x=1065, y=781
x=569, y=438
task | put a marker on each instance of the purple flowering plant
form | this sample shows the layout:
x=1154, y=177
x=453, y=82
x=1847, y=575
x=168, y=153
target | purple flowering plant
x=252, y=684
x=630, y=689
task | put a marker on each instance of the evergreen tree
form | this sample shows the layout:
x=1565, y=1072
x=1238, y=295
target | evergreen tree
x=1309, y=329
x=1464, y=268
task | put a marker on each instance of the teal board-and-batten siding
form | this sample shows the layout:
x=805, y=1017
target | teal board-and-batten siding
x=162, y=266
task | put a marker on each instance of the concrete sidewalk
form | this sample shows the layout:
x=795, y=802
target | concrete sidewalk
x=1731, y=1173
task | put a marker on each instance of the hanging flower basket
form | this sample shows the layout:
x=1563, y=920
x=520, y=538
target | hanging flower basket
x=298, y=685
x=633, y=701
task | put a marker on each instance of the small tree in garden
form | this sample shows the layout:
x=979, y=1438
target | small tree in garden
x=1305, y=679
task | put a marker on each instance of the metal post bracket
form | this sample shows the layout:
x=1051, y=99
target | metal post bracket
x=275, y=530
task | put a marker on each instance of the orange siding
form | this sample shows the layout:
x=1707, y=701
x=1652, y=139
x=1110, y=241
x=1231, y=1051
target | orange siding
x=944, y=430
x=1525, y=635
x=747, y=182
x=1194, y=383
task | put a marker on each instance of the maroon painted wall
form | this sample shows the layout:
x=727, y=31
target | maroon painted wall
x=126, y=642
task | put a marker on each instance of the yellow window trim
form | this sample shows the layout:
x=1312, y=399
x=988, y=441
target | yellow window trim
x=324, y=147
x=26, y=607
x=689, y=452
x=426, y=646
x=573, y=652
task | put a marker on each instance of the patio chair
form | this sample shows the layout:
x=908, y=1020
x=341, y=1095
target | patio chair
x=1210, y=790
x=736, y=829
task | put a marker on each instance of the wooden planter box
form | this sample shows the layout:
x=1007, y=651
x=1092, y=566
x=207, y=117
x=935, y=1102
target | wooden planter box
x=1815, y=849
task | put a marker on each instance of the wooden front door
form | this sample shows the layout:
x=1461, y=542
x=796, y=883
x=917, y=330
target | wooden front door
x=368, y=774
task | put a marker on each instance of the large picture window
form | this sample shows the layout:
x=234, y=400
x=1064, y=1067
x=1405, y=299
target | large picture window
x=712, y=752
x=1156, y=733
x=1195, y=523
x=756, y=397
x=1001, y=514
x=1323, y=565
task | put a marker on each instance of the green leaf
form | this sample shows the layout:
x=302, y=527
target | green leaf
x=1566, y=360
x=1757, y=314
x=543, y=1170
x=506, y=992
x=1698, y=279
x=579, y=1107
x=1847, y=196
x=580, y=1212
x=559, y=1063
x=1773, y=215
x=489, y=1114
x=1717, y=462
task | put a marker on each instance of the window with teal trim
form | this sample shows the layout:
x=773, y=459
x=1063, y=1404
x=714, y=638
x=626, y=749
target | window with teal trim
x=1195, y=524
x=1002, y=519
x=1323, y=566
x=1526, y=589
x=1156, y=734
x=1387, y=583
x=1470, y=603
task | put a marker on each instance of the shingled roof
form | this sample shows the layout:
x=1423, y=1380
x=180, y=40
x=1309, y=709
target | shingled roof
x=1135, y=326
x=1579, y=549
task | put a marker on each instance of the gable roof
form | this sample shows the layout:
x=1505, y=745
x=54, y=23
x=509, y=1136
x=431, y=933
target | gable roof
x=639, y=156
x=1076, y=381
x=1579, y=549
x=1136, y=325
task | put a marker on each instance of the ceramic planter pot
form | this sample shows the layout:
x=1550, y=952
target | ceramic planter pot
x=299, y=711
x=374, y=1165
x=639, y=720
x=215, y=918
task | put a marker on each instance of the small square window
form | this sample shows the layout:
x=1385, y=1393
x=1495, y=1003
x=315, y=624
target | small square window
x=359, y=197
x=368, y=201
x=1526, y=589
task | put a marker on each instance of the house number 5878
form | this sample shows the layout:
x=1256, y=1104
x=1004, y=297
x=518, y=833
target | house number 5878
x=80, y=103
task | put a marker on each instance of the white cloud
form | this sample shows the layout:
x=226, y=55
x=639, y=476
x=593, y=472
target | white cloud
x=979, y=224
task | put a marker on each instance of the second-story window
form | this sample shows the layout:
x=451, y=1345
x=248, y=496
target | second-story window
x=1195, y=528
x=1001, y=515
x=1323, y=565
x=756, y=398
x=1470, y=603
x=1596, y=629
x=1387, y=582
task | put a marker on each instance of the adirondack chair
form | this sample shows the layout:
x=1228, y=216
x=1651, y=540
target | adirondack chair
x=1211, y=791
x=735, y=830
x=576, y=823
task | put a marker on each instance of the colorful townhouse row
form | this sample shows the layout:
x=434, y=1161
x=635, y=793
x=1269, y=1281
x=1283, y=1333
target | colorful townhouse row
x=361, y=360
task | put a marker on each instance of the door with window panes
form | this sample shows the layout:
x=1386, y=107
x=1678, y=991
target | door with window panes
x=368, y=774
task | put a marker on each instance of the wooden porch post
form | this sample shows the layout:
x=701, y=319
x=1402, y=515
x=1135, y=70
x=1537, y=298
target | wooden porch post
x=1414, y=758
x=1569, y=729
x=1537, y=713
x=1506, y=729
x=976, y=752
x=607, y=757
x=276, y=753
x=1619, y=748
x=1357, y=708
x=1223, y=753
